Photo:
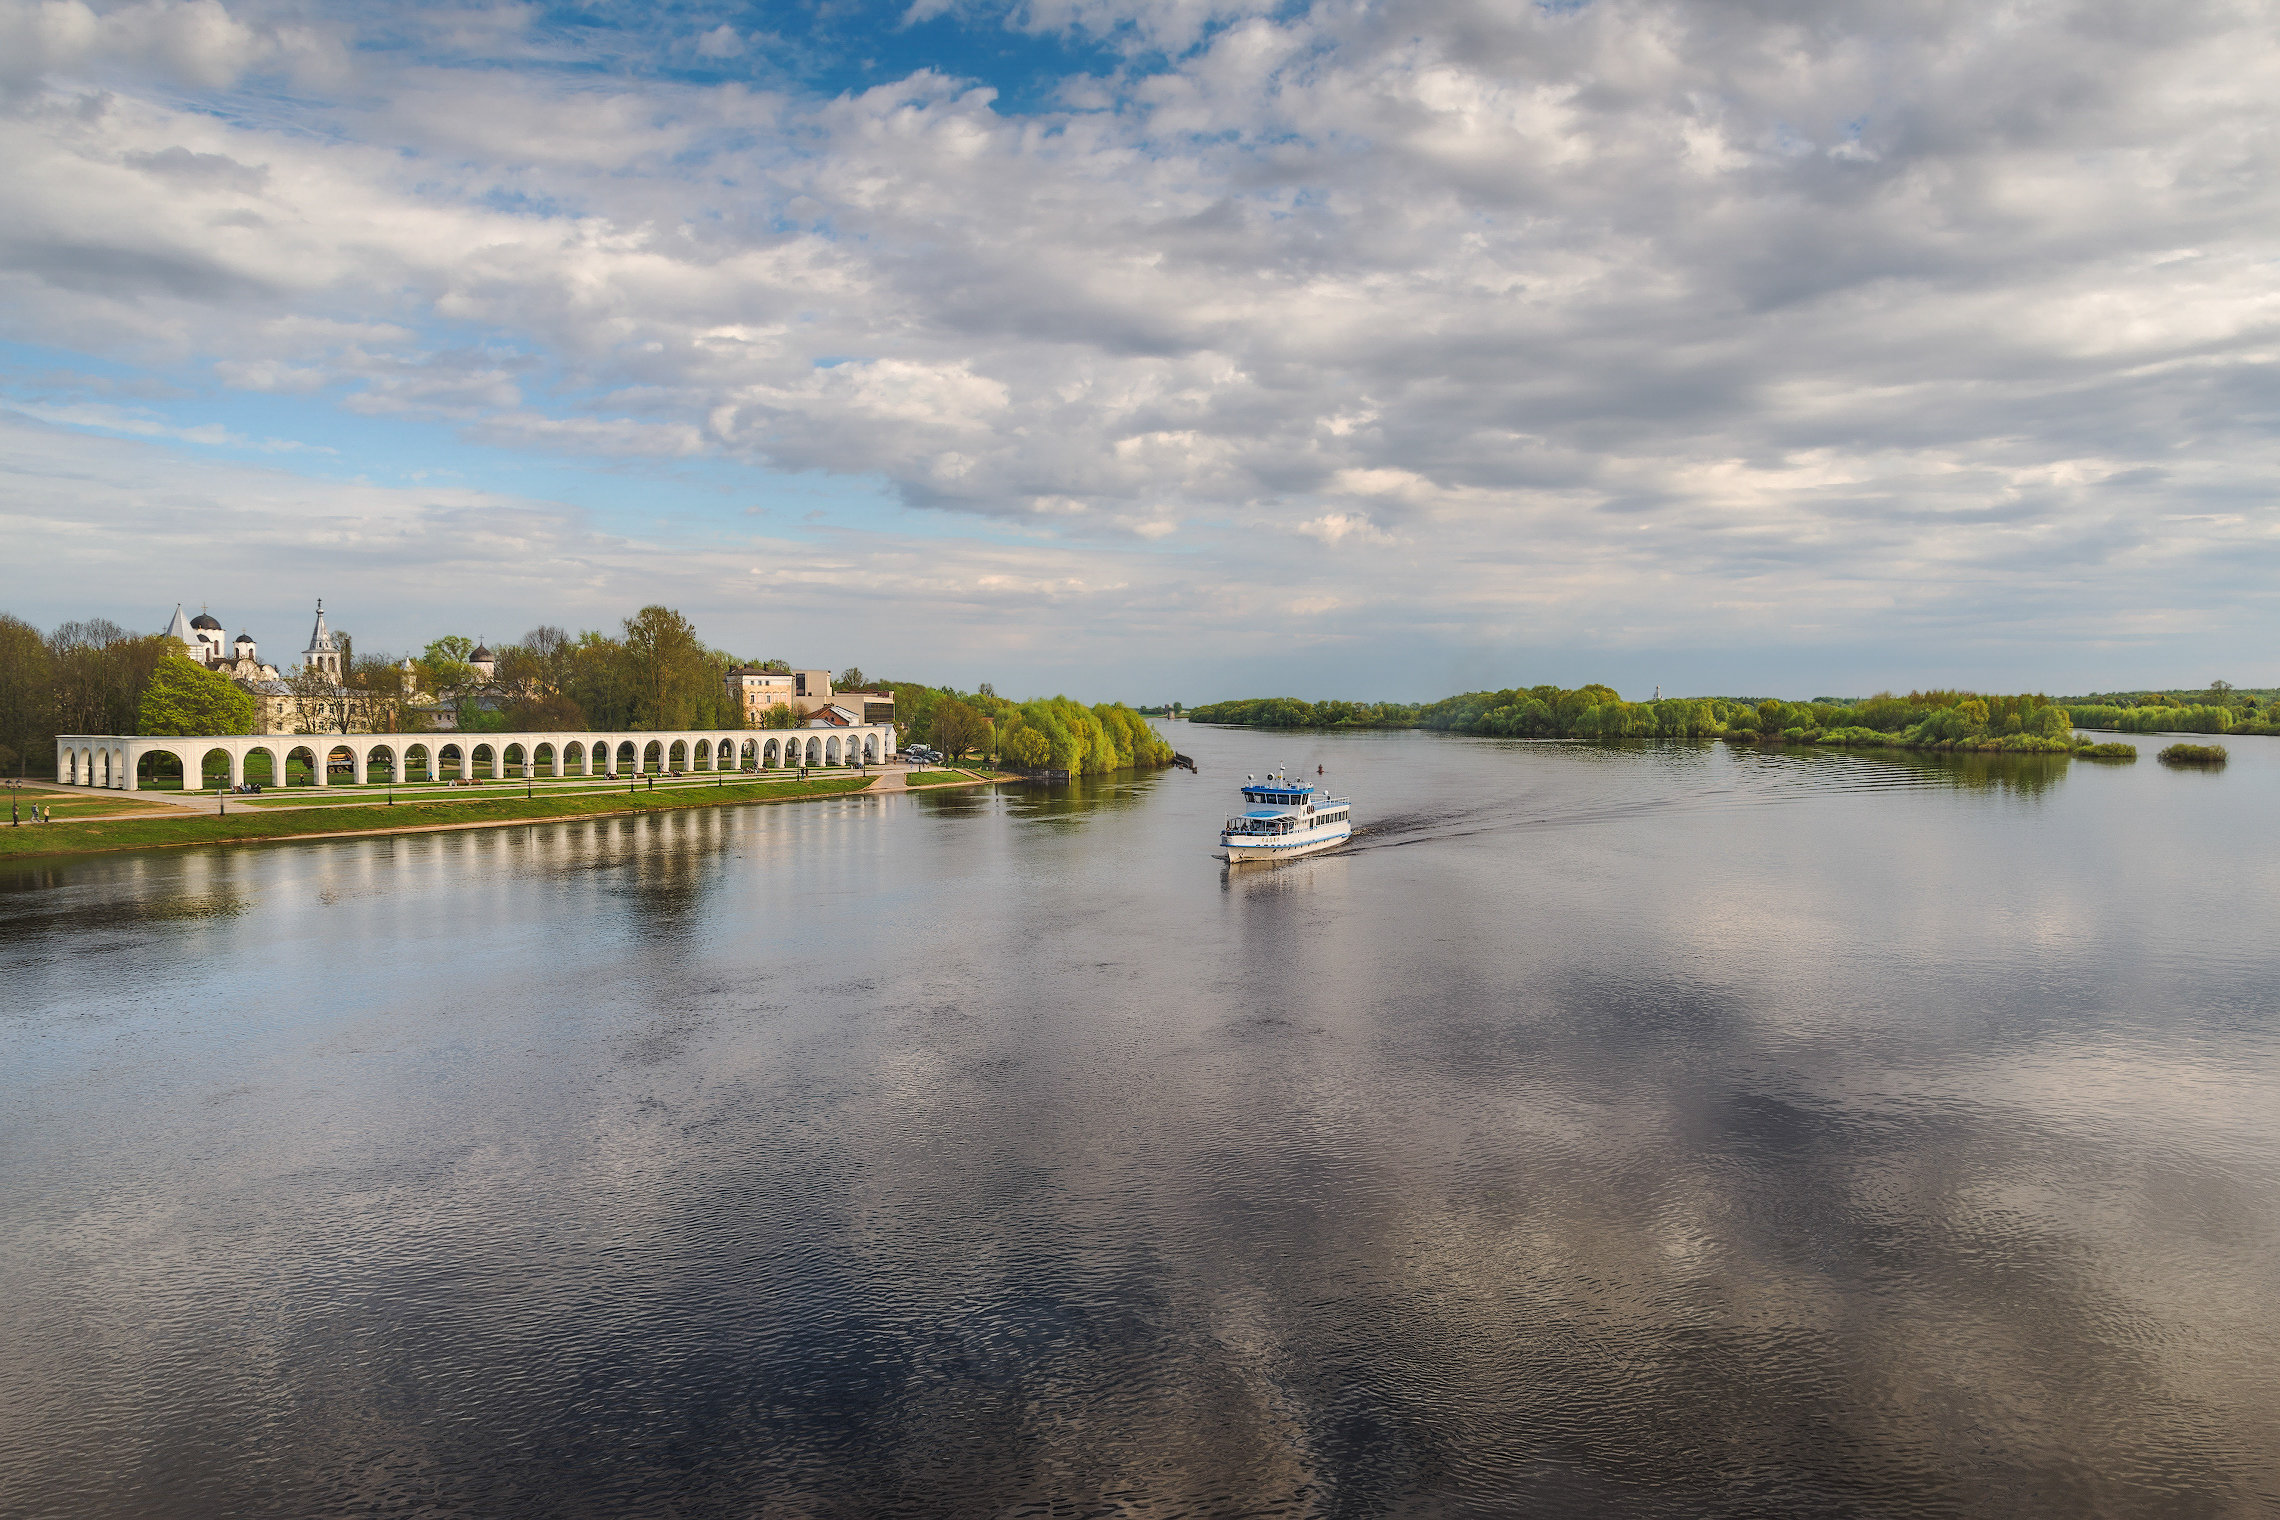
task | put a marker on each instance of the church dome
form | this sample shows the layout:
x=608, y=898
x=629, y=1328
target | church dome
x=480, y=654
x=207, y=620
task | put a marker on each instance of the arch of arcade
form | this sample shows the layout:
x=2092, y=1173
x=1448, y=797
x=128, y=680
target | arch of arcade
x=114, y=761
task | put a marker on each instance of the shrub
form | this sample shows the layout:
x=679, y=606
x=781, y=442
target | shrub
x=2194, y=754
x=2109, y=752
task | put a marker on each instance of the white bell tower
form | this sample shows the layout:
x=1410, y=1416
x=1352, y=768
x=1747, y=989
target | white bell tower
x=323, y=653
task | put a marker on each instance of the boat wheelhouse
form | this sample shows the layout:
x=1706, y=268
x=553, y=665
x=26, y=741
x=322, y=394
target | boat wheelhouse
x=1284, y=819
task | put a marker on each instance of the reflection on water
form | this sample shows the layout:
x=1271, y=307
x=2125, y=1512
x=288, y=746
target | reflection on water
x=1629, y=1129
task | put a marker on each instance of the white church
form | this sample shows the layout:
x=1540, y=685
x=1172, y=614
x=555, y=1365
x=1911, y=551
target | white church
x=282, y=708
x=202, y=637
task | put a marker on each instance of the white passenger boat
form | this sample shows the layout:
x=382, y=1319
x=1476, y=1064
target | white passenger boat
x=1285, y=819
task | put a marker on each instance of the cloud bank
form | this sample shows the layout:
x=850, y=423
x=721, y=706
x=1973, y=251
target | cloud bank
x=1404, y=333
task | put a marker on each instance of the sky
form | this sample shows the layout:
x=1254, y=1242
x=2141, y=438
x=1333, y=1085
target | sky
x=1179, y=350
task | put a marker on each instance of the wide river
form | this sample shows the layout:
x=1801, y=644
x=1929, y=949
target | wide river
x=1649, y=1131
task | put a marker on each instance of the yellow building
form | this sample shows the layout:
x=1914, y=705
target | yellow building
x=808, y=694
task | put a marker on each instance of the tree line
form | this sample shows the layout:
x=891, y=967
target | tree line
x=653, y=673
x=84, y=678
x=2219, y=708
x=1041, y=735
x=1920, y=720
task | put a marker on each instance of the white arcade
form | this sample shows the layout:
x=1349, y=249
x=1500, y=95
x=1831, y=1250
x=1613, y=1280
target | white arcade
x=115, y=762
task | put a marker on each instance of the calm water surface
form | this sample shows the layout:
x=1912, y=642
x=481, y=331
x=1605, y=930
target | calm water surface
x=1641, y=1132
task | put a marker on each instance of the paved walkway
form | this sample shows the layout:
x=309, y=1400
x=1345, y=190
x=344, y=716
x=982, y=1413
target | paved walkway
x=885, y=778
x=33, y=791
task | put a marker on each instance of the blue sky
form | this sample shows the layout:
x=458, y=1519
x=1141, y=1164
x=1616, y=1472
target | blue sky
x=1196, y=348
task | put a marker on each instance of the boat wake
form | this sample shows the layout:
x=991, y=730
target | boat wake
x=1772, y=787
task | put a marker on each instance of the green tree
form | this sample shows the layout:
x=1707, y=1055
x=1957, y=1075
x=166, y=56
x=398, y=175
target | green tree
x=548, y=712
x=100, y=672
x=957, y=728
x=476, y=716
x=598, y=676
x=446, y=662
x=851, y=679
x=671, y=670
x=1078, y=739
x=27, y=691
x=184, y=697
x=373, y=693
x=1026, y=749
x=548, y=646
x=533, y=678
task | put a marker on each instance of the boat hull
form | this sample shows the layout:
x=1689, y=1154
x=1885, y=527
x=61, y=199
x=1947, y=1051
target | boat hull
x=1251, y=851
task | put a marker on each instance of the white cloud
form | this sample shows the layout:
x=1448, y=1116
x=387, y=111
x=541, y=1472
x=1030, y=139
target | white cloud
x=1711, y=324
x=139, y=423
x=196, y=43
x=1340, y=527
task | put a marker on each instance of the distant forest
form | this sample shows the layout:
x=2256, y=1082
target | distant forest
x=2026, y=722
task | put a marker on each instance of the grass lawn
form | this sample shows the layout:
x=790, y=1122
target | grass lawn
x=180, y=827
x=940, y=778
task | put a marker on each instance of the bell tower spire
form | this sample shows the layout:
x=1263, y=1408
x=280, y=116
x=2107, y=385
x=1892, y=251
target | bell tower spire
x=323, y=652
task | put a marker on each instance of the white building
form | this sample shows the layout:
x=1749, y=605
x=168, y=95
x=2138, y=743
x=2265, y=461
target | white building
x=201, y=637
x=323, y=653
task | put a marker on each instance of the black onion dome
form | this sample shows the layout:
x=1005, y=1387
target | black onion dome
x=207, y=620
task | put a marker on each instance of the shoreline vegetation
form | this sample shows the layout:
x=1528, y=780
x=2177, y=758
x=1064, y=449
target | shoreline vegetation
x=2194, y=754
x=1969, y=722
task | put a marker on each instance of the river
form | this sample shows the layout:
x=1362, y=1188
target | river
x=1640, y=1131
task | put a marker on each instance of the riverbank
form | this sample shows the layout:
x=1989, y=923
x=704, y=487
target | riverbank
x=178, y=826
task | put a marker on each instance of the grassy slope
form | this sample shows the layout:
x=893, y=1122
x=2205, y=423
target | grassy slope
x=941, y=778
x=178, y=827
